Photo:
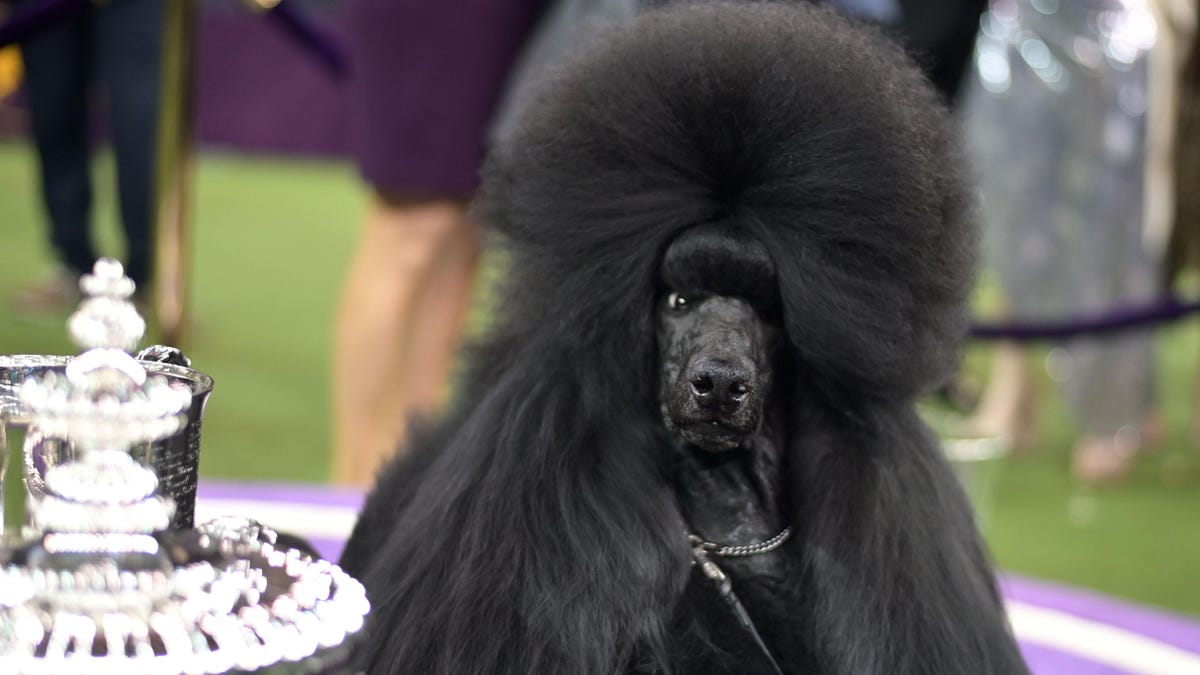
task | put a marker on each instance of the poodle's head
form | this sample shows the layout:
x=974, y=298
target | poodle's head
x=682, y=148
x=718, y=337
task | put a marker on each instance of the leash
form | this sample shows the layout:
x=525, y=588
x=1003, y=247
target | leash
x=703, y=553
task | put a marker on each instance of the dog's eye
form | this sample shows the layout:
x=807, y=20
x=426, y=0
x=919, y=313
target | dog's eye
x=676, y=301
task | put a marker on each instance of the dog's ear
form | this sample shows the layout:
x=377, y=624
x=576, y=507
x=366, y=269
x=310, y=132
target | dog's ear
x=721, y=259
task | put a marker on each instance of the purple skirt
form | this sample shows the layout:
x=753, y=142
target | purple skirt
x=427, y=78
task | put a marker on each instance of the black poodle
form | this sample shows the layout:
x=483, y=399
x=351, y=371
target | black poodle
x=740, y=248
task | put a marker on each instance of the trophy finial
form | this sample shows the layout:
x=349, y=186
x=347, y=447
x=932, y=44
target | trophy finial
x=107, y=317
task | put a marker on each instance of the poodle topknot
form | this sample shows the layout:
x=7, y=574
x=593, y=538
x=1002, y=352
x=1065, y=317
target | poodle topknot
x=825, y=142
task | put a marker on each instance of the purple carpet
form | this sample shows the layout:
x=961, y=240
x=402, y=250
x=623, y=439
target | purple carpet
x=1062, y=630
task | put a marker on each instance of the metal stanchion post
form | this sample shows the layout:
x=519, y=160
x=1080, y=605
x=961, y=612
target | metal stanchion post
x=174, y=172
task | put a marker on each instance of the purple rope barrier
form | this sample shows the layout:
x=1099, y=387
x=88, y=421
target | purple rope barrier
x=1120, y=319
x=319, y=42
x=29, y=17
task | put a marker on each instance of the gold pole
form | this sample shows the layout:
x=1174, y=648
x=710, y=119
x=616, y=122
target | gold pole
x=173, y=168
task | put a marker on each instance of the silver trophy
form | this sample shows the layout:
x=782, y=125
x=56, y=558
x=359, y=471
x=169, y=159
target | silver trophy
x=105, y=582
x=105, y=314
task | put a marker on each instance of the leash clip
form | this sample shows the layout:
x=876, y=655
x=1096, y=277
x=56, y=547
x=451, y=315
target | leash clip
x=701, y=549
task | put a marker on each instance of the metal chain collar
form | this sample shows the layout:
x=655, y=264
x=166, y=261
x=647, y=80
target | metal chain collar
x=703, y=553
x=702, y=548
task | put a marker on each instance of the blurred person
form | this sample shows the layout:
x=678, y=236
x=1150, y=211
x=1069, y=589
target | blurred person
x=427, y=78
x=1065, y=118
x=117, y=44
x=1184, y=250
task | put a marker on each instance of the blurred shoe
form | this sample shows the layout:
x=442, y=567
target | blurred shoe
x=57, y=293
x=1102, y=460
x=1154, y=432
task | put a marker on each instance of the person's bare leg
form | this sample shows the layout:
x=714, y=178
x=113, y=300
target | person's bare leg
x=1007, y=404
x=397, y=250
x=440, y=313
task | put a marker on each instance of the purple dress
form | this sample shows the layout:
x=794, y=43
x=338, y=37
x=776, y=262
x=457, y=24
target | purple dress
x=427, y=78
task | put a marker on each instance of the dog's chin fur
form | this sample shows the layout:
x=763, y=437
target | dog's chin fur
x=710, y=438
x=714, y=433
x=538, y=527
x=710, y=435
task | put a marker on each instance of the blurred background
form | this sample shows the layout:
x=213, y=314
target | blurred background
x=1076, y=410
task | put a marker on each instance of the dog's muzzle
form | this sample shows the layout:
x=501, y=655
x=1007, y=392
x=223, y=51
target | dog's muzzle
x=716, y=404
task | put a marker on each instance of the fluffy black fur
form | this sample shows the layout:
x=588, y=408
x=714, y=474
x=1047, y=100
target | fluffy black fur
x=539, y=529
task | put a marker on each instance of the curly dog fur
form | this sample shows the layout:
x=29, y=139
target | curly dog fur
x=538, y=527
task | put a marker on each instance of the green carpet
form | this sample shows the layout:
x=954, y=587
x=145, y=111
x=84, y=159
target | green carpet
x=272, y=238
x=271, y=242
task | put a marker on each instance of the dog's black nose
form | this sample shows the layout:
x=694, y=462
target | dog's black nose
x=720, y=385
